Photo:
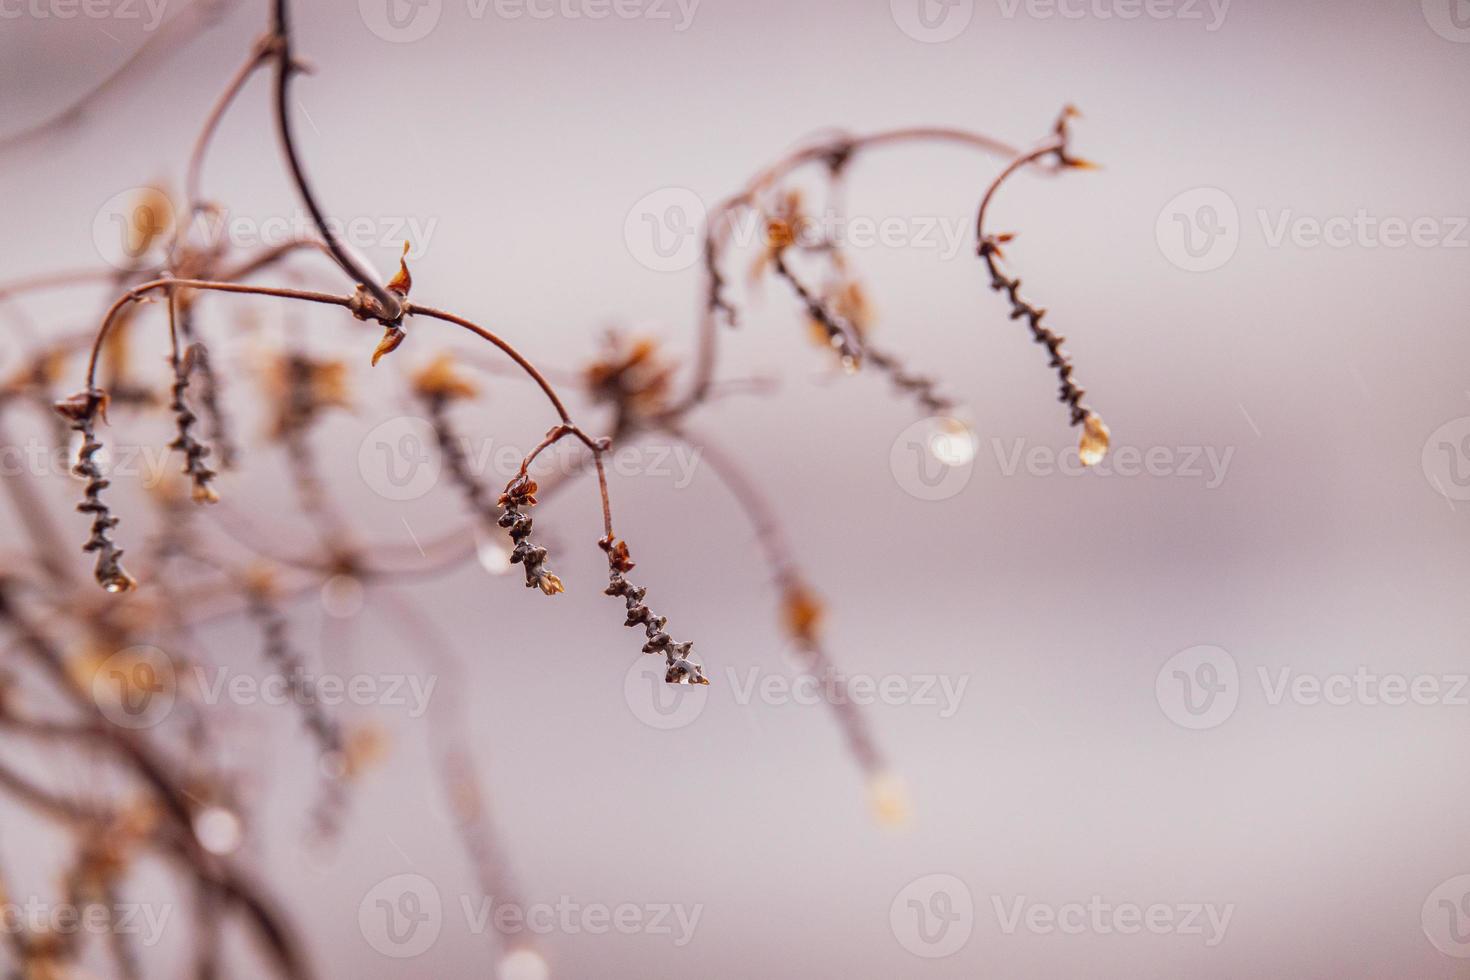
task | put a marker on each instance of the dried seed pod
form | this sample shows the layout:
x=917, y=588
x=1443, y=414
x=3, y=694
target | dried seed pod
x=681, y=669
x=184, y=418
x=521, y=493
x=82, y=410
x=438, y=385
x=841, y=334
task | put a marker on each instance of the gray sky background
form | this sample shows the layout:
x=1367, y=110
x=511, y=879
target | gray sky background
x=1317, y=377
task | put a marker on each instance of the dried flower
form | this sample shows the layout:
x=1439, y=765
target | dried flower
x=802, y=613
x=38, y=372
x=617, y=554
x=392, y=337
x=520, y=492
x=131, y=677
x=519, y=495
x=401, y=282
x=782, y=231
x=785, y=220
x=82, y=410
x=439, y=380
x=184, y=418
x=680, y=668
x=366, y=746
x=631, y=374
x=300, y=388
x=366, y=307
x=989, y=250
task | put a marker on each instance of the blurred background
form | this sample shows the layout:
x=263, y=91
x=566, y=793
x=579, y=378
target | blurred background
x=1163, y=685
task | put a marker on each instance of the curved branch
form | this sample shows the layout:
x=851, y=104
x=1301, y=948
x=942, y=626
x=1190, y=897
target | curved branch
x=836, y=153
x=286, y=66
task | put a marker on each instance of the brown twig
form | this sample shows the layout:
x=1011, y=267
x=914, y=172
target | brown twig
x=1095, y=434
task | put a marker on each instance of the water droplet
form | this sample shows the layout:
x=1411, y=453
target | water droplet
x=522, y=964
x=1093, y=445
x=342, y=596
x=217, y=830
x=117, y=581
x=889, y=799
x=491, y=550
x=952, y=443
